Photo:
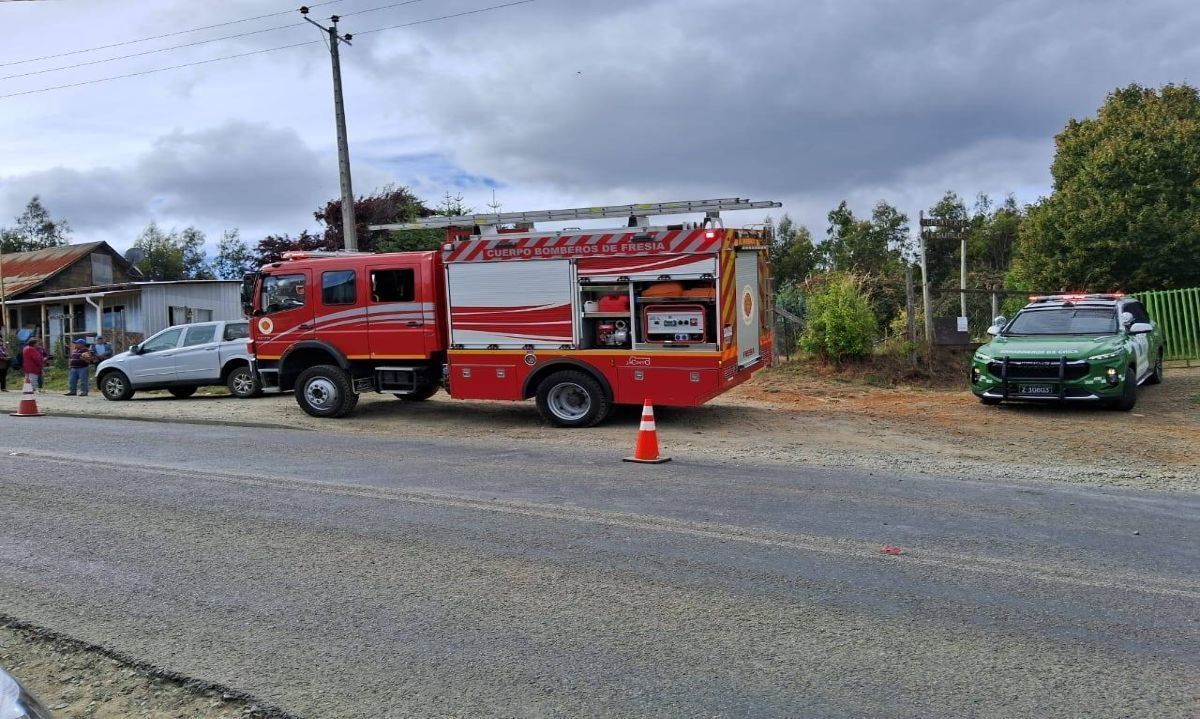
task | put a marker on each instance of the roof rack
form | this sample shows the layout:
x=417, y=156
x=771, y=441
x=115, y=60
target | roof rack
x=637, y=214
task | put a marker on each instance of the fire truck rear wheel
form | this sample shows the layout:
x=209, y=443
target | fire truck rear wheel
x=572, y=399
x=325, y=391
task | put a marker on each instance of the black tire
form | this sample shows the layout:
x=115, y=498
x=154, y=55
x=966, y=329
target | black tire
x=115, y=386
x=422, y=393
x=1157, y=375
x=325, y=391
x=242, y=383
x=1128, y=398
x=571, y=398
x=990, y=400
x=182, y=392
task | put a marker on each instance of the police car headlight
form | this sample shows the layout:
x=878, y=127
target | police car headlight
x=981, y=357
x=1105, y=356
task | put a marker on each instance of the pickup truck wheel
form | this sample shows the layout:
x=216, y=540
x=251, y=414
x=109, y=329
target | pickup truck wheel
x=422, y=393
x=572, y=399
x=1128, y=393
x=114, y=385
x=242, y=383
x=1157, y=375
x=182, y=392
x=325, y=391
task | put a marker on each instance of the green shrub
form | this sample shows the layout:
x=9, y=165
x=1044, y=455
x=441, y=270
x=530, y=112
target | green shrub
x=840, y=321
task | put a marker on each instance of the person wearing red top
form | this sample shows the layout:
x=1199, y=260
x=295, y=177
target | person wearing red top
x=33, y=362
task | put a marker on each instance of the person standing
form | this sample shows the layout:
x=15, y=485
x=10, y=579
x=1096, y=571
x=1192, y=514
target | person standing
x=77, y=374
x=33, y=362
x=4, y=363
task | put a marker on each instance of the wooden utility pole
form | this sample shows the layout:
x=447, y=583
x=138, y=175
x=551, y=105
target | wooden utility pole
x=349, y=230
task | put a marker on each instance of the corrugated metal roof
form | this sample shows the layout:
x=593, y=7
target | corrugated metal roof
x=24, y=270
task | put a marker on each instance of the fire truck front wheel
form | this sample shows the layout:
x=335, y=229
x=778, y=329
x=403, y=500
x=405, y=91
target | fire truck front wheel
x=325, y=391
x=572, y=399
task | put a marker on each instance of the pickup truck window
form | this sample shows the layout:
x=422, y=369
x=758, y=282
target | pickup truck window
x=237, y=331
x=282, y=292
x=392, y=286
x=165, y=341
x=338, y=288
x=199, y=335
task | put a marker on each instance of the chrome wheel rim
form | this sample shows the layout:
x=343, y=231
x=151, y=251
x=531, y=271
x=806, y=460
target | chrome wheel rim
x=243, y=383
x=113, y=385
x=569, y=402
x=321, y=393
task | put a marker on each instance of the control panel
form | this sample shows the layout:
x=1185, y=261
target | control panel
x=682, y=324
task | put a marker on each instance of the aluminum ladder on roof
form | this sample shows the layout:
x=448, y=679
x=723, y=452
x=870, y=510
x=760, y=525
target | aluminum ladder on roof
x=637, y=213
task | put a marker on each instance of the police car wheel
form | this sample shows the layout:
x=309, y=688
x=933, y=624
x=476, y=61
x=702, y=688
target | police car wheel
x=325, y=391
x=572, y=399
x=1128, y=392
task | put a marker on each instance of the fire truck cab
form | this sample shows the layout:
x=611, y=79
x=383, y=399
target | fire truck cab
x=580, y=320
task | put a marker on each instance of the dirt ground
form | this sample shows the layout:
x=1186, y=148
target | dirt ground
x=789, y=414
x=74, y=681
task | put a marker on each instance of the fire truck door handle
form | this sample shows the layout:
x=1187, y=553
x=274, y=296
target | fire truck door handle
x=306, y=326
x=413, y=323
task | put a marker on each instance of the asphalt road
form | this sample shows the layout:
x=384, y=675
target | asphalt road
x=345, y=576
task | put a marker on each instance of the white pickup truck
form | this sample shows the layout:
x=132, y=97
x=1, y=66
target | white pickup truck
x=182, y=359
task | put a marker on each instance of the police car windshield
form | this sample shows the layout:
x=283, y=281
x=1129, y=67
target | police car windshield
x=1064, y=321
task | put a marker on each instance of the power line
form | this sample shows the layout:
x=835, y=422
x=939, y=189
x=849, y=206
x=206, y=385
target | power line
x=159, y=37
x=190, y=44
x=260, y=52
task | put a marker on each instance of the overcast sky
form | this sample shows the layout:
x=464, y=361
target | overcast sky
x=560, y=103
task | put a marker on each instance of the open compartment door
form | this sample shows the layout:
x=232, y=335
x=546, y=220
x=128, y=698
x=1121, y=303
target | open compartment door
x=747, y=307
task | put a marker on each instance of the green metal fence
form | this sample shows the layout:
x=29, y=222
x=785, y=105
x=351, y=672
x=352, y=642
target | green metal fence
x=1177, y=313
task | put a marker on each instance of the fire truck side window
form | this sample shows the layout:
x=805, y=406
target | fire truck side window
x=282, y=292
x=392, y=286
x=338, y=288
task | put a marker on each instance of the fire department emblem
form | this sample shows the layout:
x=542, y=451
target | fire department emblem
x=265, y=325
x=747, y=304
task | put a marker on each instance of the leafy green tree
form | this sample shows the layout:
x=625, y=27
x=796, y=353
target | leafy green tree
x=875, y=246
x=793, y=256
x=1124, y=212
x=177, y=255
x=942, y=256
x=839, y=321
x=35, y=230
x=234, y=257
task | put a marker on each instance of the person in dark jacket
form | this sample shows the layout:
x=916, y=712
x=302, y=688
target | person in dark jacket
x=33, y=362
x=5, y=361
x=80, y=360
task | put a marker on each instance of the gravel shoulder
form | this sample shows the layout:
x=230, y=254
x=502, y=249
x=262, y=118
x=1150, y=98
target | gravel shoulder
x=786, y=416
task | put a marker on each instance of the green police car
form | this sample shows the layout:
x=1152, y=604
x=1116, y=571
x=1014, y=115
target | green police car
x=1094, y=348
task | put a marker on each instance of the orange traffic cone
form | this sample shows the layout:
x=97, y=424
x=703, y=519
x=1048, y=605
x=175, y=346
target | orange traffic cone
x=28, y=406
x=646, y=450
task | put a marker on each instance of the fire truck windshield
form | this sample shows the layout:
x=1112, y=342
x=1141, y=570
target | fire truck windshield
x=282, y=292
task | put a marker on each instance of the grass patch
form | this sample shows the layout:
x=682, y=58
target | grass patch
x=947, y=368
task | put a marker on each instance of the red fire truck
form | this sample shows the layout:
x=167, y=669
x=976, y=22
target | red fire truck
x=581, y=320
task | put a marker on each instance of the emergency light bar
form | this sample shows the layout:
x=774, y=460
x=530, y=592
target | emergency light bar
x=1077, y=297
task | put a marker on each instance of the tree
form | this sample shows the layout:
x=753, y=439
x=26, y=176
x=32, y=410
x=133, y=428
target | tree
x=271, y=248
x=942, y=256
x=35, y=230
x=178, y=255
x=839, y=321
x=873, y=246
x=234, y=257
x=793, y=256
x=389, y=204
x=1123, y=214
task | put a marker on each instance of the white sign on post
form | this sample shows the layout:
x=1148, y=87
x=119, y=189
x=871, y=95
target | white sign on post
x=962, y=324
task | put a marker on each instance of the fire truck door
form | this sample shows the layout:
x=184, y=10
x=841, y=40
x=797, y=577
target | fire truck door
x=399, y=310
x=746, y=297
x=286, y=312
